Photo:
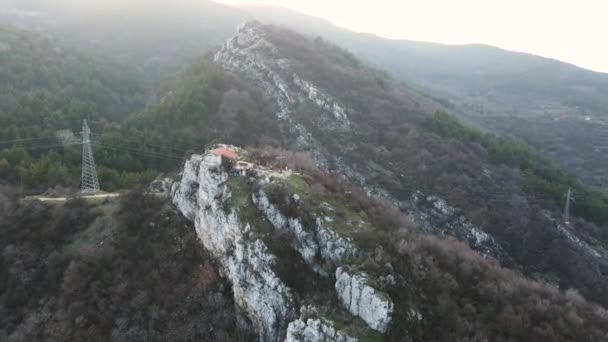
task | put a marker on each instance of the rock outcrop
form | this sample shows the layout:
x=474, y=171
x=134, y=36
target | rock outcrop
x=317, y=245
x=251, y=54
x=203, y=196
x=254, y=57
x=244, y=259
x=362, y=300
x=433, y=215
x=315, y=330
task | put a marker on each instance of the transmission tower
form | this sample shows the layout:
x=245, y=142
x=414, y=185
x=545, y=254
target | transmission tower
x=89, y=180
x=569, y=199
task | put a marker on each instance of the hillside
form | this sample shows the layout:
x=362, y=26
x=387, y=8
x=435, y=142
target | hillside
x=389, y=138
x=47, y=90
x=308, y=263
x=504, y=81
x=286, y=256
x=285, y=90
x=149, y=35
x=509, y=93
x=399, y=221
x=123, y=270
x=34, y=66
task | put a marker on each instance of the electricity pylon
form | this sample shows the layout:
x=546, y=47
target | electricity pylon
x=569, y=199
x=89, y=180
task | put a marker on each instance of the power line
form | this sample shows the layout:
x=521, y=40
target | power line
x=139, y=152
x=23, y=140
x=39, y=147
x=151, y=145
x=143, y=154
x=144, y=136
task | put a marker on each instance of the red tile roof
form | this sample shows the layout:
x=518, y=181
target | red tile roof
x=224, y=152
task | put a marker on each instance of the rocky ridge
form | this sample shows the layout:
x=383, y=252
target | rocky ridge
x=203, y=196
x=246, y=262
x=250, y=54
x=316, y=247
x=433, y=215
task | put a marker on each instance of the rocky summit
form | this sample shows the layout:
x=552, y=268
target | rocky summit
x=206, y=195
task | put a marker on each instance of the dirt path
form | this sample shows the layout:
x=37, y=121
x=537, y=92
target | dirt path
x=63, y=199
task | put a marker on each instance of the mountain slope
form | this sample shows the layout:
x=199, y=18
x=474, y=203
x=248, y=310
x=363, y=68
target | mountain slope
x=157, y=38
x=108, y=271
x=354, y=227
x=47, y=90
x=387, y=137
x=510, y=93
x=308, y=263
x=377, y=131
x=513, y=80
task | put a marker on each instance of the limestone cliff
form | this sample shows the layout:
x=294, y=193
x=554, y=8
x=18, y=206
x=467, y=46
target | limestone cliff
x=361, y=299
x=204, y=197
x=245, y=260
x=317, y=246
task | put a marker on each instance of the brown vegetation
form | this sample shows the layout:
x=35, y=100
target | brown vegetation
x=459, y=294
x=138, y=273
x=399, y=143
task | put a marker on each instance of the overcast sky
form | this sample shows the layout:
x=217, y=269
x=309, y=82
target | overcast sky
x=574, y=31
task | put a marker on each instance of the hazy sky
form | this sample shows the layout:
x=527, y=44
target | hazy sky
x=574, y=31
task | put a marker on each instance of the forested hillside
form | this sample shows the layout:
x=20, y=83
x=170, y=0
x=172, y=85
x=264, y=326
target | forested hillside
x=379, y=153
x=500, y=91
x=51, y=89
x=150, y=35
x=530, y=98
x=128, y=270
x=47, y=91
x=390, y=137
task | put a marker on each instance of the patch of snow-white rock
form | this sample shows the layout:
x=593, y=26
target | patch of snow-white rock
x=362, y=300
x=322, y=100
x=315, y=330
x=245, y=261
x=250, y=54
x=434, y=215
x=314, y=244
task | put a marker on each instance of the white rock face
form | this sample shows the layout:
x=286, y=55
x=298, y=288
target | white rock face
x=251, y=55
x=434, y=215
x=362, y=300
x=245, y=261
x=315, y=245
x=333, y=247
x=322, y=100
x=315, y=330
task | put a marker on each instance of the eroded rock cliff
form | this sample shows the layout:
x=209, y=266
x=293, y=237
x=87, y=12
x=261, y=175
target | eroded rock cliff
x=251, y=54
x=245, y=259
x=204, y=196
